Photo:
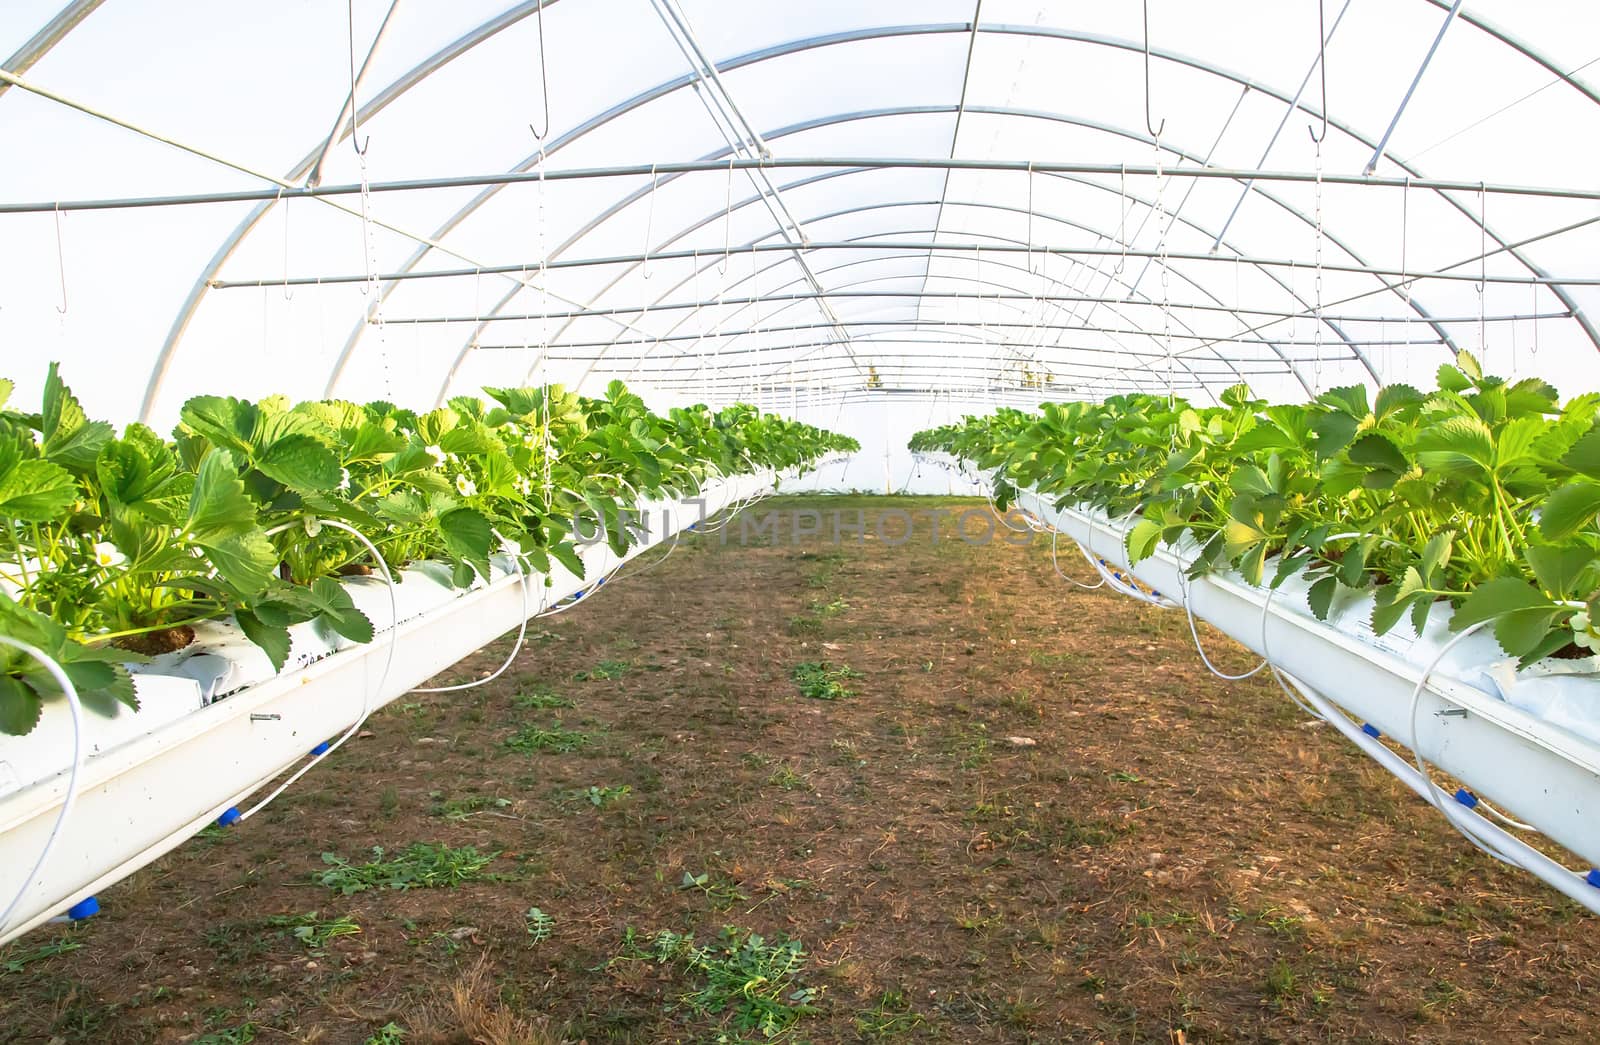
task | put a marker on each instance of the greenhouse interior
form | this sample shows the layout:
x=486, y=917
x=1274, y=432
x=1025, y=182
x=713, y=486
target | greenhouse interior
x=538, y=521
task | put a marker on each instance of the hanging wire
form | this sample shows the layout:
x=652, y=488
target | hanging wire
x=61, y=264
x=1322, y=67
x=288, y=295
x=355, y=124
x=649, y=226
x=1155, y=132
x=1316, y=336
x=544, y=79
x=1483, y=269
x=1122, y=223
x=727, y=221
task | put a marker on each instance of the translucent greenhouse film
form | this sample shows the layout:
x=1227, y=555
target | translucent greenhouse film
x=326, y=329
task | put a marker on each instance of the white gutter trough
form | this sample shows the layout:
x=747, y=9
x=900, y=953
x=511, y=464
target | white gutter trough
x=156, y=777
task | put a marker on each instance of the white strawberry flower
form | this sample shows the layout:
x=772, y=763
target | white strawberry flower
x=466, y=486
x=1583, y=632
x=524, y=486
x=107, y=555
x=436, y=452
x=344, y=480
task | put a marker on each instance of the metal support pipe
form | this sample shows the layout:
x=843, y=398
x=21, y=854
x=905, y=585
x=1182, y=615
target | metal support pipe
x=465, y=181
x=1410, y=275
x=1383, y=143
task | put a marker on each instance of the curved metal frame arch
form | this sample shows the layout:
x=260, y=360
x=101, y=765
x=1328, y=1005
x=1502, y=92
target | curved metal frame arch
x=782, y=50
x=1289, y=363
x=1001, y=263
x=469, y=40
x=1049, y=33
x=632, y=198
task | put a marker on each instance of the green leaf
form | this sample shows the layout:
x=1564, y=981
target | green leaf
x=1584, y=457
x=1468, y=364
x=566, y=554
x=218, y=503
x=1456, y=444
x=1522, y=631
x=1349, y=400
x=1565, y=571
x=468, y=537
x=245, y=560
x=1569, y=509
x=70, y=438
x=20, y=707
x=1334, y=432
x=274, y=641
x=1395, y=398
x=1376, y=451
x=300, y=462
x=1387, y=610
x=1496, y=598
x=1452, y=380
x=222, y=420
x=339, y=610
x=35, y=491
x=1142, y=540
x=1247, y=478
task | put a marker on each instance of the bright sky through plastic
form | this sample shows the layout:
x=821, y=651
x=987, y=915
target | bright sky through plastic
x=261, y=85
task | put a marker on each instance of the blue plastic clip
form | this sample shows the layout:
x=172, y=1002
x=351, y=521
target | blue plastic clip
x=1466, y=798
x=321, y=749
x=1593, y=877
x=601, y=583
x=229, y=817
x=580, y=593
x=1370, y=730
x=88, y=907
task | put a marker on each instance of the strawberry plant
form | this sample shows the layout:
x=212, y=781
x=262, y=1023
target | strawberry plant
x=1483, y=493
x=114, y=546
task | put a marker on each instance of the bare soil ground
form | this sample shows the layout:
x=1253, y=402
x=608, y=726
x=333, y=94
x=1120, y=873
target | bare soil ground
x=1032, y=817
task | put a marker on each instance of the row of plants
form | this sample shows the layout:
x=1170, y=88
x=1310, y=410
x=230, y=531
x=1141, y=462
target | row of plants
x=1483, y=493
x=114, y=546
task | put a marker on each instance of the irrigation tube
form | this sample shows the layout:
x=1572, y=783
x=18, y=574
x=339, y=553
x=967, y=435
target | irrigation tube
x=367, y=692
x=49, y=663
x=1497, y=842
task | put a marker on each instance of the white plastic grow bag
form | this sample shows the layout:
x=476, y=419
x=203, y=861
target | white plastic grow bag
x=156, y=777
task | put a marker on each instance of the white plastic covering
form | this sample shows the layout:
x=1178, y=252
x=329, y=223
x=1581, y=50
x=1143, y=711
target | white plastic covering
x=931, y=288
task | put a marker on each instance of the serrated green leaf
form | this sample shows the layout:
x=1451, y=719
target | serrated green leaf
x=1377, y=451
x=221, y=420
x=339, y=610
x=1142, y=540
x=1584, y=457
x=36, y=491
x=1495, y=598
x=20, y=707
x=1565, y=571
x=1569, y=510
x=274, y=641
x=1468, y=365
x=218, y=503
x=244, y=560
x=70, y=438
x=300, y=462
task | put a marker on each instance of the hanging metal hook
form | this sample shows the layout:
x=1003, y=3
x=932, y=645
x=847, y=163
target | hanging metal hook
x=1322, y=67
x=727, y=221
x=1122, y=222
x=355, y=123
x=649, y=226
x=288, y=295
x=1155, y=132
x=61, y=263
x=544, y=79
